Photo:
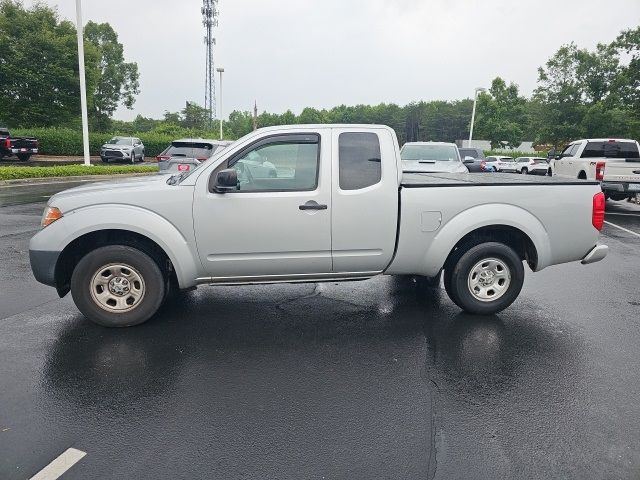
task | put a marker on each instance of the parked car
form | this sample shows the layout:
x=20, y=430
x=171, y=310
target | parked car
x=479, y=163
x=500, y=164
x=532, y=165
x=21, y=147
x=342, y=210
x=179, y=165
x=129, y=149
x=199, y=149
x=614, y=162
x=429, y=157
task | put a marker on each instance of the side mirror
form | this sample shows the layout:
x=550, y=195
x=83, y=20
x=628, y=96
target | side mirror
x=468, y=159
x=226, y=181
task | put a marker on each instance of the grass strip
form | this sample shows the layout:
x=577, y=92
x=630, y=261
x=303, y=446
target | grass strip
x=14, y=173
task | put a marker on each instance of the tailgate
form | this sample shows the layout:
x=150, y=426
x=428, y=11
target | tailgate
x=622, y=170
x=26, y=143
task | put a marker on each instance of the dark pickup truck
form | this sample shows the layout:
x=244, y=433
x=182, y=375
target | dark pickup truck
x=21, y=147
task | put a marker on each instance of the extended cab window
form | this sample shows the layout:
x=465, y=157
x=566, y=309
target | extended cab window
x=570, y=151
x=360, y=163
x=289, y=164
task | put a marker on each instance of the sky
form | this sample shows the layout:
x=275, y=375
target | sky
x=290, y=54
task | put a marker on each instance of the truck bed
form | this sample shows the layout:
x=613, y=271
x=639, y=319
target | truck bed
x=423, y=180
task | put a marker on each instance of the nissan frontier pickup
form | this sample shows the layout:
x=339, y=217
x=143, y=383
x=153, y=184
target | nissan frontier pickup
x=310, y=203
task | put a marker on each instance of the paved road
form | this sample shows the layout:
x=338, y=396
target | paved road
x=374, y=379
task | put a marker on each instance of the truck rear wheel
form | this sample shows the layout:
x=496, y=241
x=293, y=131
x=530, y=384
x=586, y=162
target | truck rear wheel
x=117, y=286
x=484, y=279
x=23, y=157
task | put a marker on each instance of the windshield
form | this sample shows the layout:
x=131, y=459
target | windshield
x=120, y=141
x=216, y=151
x=445, y=153
x=470, y=152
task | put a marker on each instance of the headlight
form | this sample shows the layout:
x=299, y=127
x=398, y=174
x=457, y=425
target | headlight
x=51, y=214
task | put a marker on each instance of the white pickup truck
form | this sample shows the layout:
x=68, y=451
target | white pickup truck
x=338, y=208
x=614, y=162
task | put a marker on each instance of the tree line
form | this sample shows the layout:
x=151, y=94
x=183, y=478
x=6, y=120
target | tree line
x=580, y=93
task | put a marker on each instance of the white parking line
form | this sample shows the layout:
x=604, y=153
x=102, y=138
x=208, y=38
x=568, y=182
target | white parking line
x=60, y=465
x=623, y=229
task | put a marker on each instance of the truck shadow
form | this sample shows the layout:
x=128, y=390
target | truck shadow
x=242, y=329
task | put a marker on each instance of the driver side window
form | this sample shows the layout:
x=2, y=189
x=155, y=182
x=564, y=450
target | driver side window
x=283, y=164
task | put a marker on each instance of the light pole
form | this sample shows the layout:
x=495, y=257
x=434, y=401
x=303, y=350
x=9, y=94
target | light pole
x=220, y=70
x=83, y=82
x=473, y=115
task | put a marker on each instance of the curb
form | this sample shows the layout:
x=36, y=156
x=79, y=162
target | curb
x=29, y=181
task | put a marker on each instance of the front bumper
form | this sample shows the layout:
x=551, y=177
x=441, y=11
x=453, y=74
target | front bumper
x=596, y=254
x=621, y=187
x=43, y=266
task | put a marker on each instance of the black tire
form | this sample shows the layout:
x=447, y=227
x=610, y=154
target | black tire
x=524, y=171
x=457, y=277
x=153, y=285
x=104, y=160
x=23, y=157
x=142, y=157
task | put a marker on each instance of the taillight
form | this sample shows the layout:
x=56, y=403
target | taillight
x=597, y=215
x=600, y=170
x=7, y=143
x=162, y=158
x=483, y=164
x=201, y=159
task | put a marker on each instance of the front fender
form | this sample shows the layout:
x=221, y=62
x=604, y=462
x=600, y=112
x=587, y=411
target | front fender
x=90, y=219
x=485, y=216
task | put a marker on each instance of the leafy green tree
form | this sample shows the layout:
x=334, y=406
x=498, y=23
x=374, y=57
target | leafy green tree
x=118, y=81
x=627, y=83
x=39, y=82
x=501, y=115
x=194, y=116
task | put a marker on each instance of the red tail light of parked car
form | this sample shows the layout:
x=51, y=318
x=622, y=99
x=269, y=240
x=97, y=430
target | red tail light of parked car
x=600, y=166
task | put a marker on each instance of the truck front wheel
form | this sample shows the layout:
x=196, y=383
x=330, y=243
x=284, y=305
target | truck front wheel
x=117, y=286
x=484, y=279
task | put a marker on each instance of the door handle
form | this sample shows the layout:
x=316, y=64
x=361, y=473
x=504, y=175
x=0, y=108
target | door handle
x=312, y=205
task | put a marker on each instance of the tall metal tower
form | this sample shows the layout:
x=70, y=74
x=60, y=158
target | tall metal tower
x=210, y=20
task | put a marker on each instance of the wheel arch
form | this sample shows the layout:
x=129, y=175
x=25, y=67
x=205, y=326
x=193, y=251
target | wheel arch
x=82, y=245
x=517, y=228
x=79, y=231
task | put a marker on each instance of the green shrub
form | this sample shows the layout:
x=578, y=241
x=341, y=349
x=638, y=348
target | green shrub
x=66, y=141
x=12, y=173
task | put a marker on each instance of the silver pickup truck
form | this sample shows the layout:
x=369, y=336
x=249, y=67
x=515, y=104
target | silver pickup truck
x=310, y=203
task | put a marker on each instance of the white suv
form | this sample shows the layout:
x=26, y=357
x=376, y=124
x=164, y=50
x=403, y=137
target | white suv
x=532, y=165
x=501, y=164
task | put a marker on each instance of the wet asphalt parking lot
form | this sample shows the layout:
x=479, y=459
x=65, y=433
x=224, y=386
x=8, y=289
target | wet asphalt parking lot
x=373, y=379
